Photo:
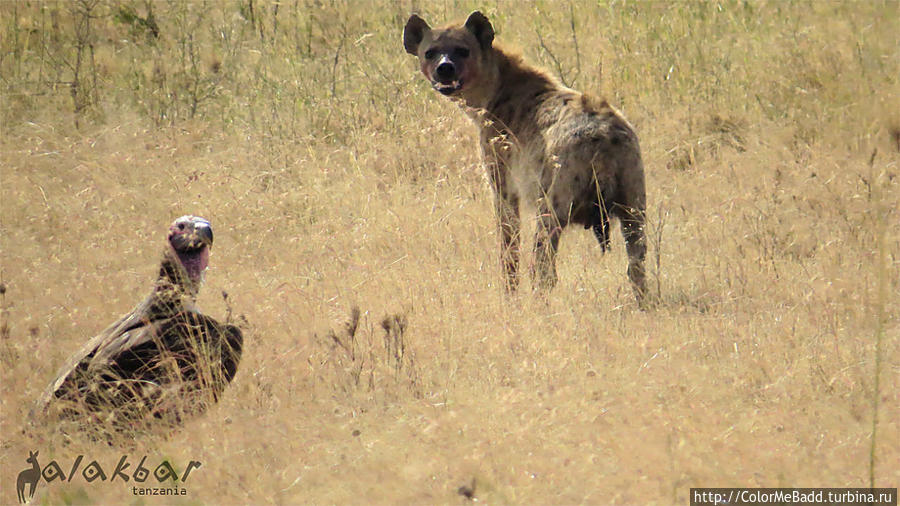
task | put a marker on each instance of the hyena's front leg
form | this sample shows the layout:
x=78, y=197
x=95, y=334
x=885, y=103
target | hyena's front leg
x=546, y=242
x=506, y=204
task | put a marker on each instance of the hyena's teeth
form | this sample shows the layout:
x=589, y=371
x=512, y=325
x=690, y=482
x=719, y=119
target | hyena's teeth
x=449, y=88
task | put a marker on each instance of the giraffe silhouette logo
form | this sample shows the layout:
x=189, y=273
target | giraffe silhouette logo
x=28, y=476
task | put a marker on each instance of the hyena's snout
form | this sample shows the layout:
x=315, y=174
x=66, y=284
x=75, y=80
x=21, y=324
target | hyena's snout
x=446, y=70
x=447, y=76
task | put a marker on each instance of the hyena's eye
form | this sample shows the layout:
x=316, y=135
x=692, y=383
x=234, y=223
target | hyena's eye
x=430, y=54
x=461, y=52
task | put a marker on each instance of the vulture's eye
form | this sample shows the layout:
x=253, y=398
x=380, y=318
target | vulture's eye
x=181, y=226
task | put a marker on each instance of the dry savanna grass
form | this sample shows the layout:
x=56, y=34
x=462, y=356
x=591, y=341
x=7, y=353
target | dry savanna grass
x=356, y=240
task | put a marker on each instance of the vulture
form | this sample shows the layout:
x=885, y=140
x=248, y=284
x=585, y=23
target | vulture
x=164, y=359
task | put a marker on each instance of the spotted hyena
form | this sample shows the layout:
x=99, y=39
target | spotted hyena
x=577, y=158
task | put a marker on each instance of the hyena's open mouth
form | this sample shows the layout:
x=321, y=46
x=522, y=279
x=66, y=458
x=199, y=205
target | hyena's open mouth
x=448, y=88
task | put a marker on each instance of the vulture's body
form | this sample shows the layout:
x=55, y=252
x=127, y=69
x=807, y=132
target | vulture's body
x=164, y=358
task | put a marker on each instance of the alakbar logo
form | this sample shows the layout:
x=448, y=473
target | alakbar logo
x=164, y=472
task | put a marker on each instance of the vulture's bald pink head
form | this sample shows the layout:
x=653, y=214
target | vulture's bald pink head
x=190, y=238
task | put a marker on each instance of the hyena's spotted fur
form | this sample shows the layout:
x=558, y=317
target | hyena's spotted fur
x=576, y=157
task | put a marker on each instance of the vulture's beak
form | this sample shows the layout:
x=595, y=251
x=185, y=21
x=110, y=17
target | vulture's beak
x=204, y=233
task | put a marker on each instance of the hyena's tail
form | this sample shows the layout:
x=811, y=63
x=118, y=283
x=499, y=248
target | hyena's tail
x=600, y=224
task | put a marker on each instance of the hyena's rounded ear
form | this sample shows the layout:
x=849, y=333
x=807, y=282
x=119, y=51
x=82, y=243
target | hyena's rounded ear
x=415, y=31
x=479, y=25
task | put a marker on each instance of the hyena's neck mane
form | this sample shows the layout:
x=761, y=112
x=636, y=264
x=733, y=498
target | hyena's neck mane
x=518, y=91
x=513, y=71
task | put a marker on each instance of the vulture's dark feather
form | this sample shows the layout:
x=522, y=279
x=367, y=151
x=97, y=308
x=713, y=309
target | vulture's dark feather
x=164, y=358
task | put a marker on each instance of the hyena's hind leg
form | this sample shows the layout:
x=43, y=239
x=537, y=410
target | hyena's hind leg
x=556, y=209
x=629, y=206
x=636, y=247
x=631, y=212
